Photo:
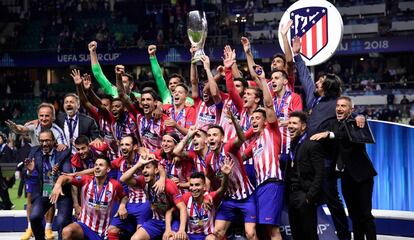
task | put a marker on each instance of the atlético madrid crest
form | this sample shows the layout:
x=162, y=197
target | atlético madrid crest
x=319, y=26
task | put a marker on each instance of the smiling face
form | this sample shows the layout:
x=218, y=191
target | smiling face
x=250, y=98
x=296, y=127
x=277, y=64
x=173, y=83
x=127, y=147
x=117, y=108
x=167, y=144
x=278, y=82
x=45, y=116
x=343, y=109
x=197, y=187
x=258, y=121
x=71, y=105
x=199, y=141
x=83, y=150
x=101, y=168
x=180, y=94
x=46, y=141
x=206, y=94
x=150, y=171
x=148, y=103
x=214, y=139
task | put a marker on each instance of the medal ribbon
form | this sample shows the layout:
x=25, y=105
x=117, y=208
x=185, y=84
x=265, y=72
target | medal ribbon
x=179, y=116
x=292, y=153
x=199, y=213
x=279, y=108
x=98, y=198
x=145, y=125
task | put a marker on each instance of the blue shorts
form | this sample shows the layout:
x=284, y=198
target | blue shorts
x=156, y=228
x=269, y=200
x=138, y=213
x=229, y=208
x=88, y=234
x=197, y=236
x=251, y=173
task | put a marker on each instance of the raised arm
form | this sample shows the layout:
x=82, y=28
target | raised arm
x=17, y=128
x=77, y=79
x=157, y=72
x=249, y=56
x=193, y=75
x=103, y=82
x=214, y=89
x=304, y=74
x=268, y=102
x=241, y=137
x=119, y=70
x=179, y=149
x=288, y=51
x=228, y=62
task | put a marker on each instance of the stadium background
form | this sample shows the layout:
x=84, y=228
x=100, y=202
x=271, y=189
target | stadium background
x=41, y=41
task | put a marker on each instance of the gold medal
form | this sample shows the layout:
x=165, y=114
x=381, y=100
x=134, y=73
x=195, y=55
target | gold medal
x=97, y=207
x=152, y=206
x=200, y=223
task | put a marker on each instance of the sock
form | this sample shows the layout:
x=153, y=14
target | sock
x=48, y=226
x=28, y=225
x=113, y=236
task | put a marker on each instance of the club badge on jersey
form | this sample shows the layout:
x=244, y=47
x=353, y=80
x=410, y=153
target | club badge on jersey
x=319, y=26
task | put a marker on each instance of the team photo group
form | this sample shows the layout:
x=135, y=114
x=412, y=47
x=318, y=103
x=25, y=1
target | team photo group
x=188, y=159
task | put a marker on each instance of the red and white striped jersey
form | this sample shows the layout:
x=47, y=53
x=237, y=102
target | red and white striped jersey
x=265, y=151
x=105, y=120
x=199, y=219
x=135, y=194
x=97, y=205
x=184, y=118
x=150, y=131
x=181, y=170
x=207, y=115
x=225, y=123
x=123, y=127
x=284, y=106
x=162, y=202
x=199, y=162
x=240, y=186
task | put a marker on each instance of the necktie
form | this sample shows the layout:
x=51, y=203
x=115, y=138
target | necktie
x=71, y=130
x=339, y=161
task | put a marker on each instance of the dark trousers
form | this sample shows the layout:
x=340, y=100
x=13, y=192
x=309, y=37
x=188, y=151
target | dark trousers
x=41, y=205
x=4, y=194
x=303, y=218
x=358, y=199
x=335, y=206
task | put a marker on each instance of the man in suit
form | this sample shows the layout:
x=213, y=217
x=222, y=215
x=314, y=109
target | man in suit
x=304, y=178
x=45, y=163
x=75, y=124
x=6, y=156
x=357, y=171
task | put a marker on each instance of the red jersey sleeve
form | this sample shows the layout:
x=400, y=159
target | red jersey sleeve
x=296, y=102
x=171, y=190
x=234, y=95
x=76, y=161
x=208, y=171
x=140, y=181
x=119, y=190
x=216, y=198
x=93, y=112
x=116, y=164
x=79, y=181
x=186, y=196
x=291, y=76
x=190, y=117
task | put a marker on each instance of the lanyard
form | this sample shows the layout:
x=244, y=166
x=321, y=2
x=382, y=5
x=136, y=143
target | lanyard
x=246, y=123
x=199, y=213
x=316, y=101
x=180, y=114
x=201, y=160
x=169, y=167
x=292, y=153
x=50, y=162
x=220, y=159
x=120, y=127
x=145, y=125
x=71, y=125
x=279, y=108
x=98, y=199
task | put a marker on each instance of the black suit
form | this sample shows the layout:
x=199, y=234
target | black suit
x=357, y=179
x=41, y=204
x=87, y=125
x=304, y=185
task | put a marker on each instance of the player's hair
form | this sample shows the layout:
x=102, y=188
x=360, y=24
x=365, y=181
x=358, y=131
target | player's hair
x=243, y=81
x=103, y=157
x=332, y=86
x=117, y=99
x=283, y=72
x=129, y=76
x=82, y=140
x=262, y=111
x=176, y=75
x=280, y=55
x=198, y=175
x=220, y=128
x=106, y=96
x=47, y=105
x=134, y=139
x=151, y=91
x=303, y=116
x=175, y=137
x=183, y=86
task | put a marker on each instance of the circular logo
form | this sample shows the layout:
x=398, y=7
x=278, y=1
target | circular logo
x=318, y=25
